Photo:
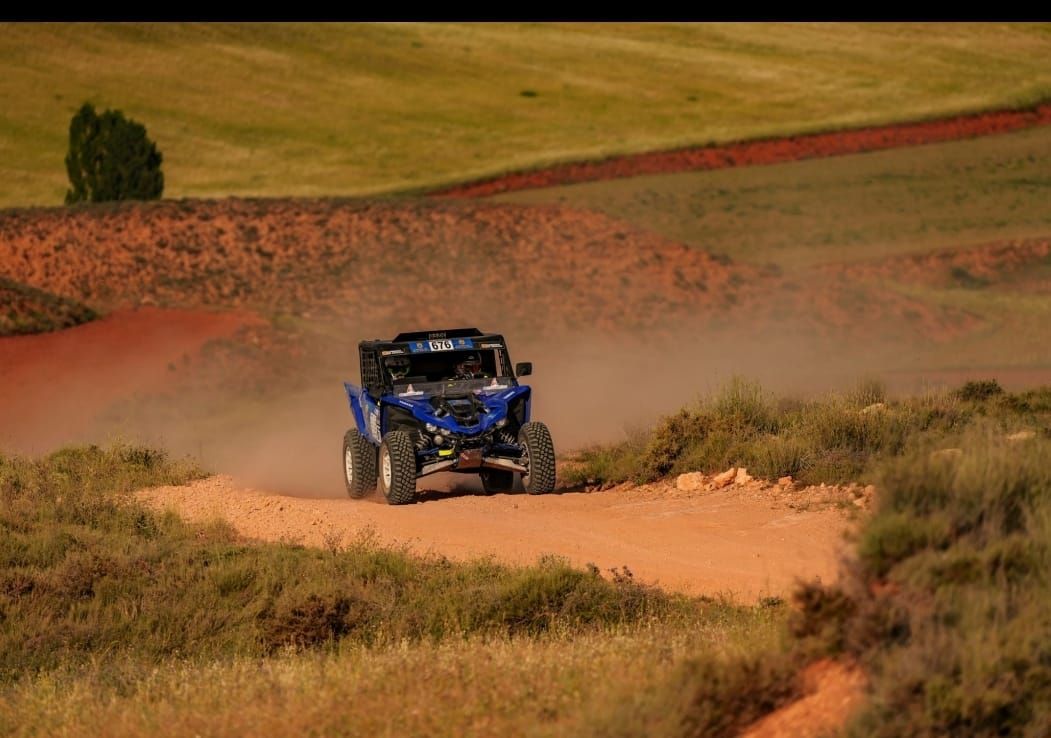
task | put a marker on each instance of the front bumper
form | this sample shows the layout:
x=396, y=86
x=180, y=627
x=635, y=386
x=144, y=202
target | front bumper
x=470, y=460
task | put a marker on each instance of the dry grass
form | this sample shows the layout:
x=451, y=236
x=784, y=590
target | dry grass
x=555, y=686
x=945, y=607
x=307, y=109
x=838, y=438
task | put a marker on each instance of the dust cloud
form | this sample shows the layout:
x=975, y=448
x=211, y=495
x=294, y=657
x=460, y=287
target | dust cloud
x=286, y=435
x=589, y=389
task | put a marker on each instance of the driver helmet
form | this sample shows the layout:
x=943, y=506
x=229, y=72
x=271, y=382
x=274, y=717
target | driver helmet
x=470, y=366
x=398, y=366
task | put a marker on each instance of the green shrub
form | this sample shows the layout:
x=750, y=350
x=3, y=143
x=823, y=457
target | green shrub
x=111, y=158
x=670, y=439
x=837, y=439
x=979, y=390
x=946, y=604
x=742, y=405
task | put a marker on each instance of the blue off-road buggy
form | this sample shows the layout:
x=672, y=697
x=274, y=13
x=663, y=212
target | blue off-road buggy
x=443, y=401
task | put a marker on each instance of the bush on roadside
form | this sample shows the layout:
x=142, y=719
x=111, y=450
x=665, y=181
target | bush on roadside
x=946, y=602
x=835, y=439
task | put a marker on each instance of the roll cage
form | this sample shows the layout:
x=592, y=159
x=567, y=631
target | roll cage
x=432, y=356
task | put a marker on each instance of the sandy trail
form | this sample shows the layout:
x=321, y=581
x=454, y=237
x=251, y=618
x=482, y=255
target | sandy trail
x=742, y=541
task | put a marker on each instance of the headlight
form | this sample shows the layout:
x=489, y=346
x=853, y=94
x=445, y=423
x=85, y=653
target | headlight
x=431, y=427
x=501, y=422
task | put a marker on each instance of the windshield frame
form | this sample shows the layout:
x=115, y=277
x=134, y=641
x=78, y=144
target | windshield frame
x=452, y=387
x=430, y=367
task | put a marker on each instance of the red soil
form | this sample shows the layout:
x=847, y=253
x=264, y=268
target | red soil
x=54, y=384
x=988, y=263
x=833, y=692
x=376, y=266
x=758, y=152
x=380, y=264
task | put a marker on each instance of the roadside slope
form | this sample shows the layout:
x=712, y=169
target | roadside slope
x=379, y=264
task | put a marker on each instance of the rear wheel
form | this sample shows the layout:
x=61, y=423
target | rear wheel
x=538, y=458
x=359, y=464
x=497, y=480
x=397, y=468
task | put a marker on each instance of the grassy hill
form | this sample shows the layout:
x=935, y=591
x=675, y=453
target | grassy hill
x=841, y=209
x=307, y=109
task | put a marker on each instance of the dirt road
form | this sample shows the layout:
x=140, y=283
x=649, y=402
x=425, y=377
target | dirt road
x=53, y=386
x=745, y=541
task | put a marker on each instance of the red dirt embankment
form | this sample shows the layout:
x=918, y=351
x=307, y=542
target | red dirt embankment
x=381, y=264
x=832, y=692
x=758, y=152
x=375, y=266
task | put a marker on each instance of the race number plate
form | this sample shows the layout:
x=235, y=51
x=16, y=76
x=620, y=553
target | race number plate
x=444, y=344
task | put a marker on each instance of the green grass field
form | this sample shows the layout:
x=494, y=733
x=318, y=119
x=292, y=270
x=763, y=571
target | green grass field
x=841, y=209
x=294, y=109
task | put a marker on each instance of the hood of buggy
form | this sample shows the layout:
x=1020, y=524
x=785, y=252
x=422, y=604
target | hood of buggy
x=468, y=413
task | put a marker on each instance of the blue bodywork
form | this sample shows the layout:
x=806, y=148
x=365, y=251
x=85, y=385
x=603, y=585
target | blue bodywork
x=373, y=422
x=469, y=422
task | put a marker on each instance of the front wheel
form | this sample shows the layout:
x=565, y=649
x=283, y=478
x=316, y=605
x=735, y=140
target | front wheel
x=538, y=457
x=397, y=472
x=359, y=464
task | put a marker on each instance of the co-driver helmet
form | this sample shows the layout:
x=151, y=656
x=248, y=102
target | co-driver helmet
x=398, y=366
